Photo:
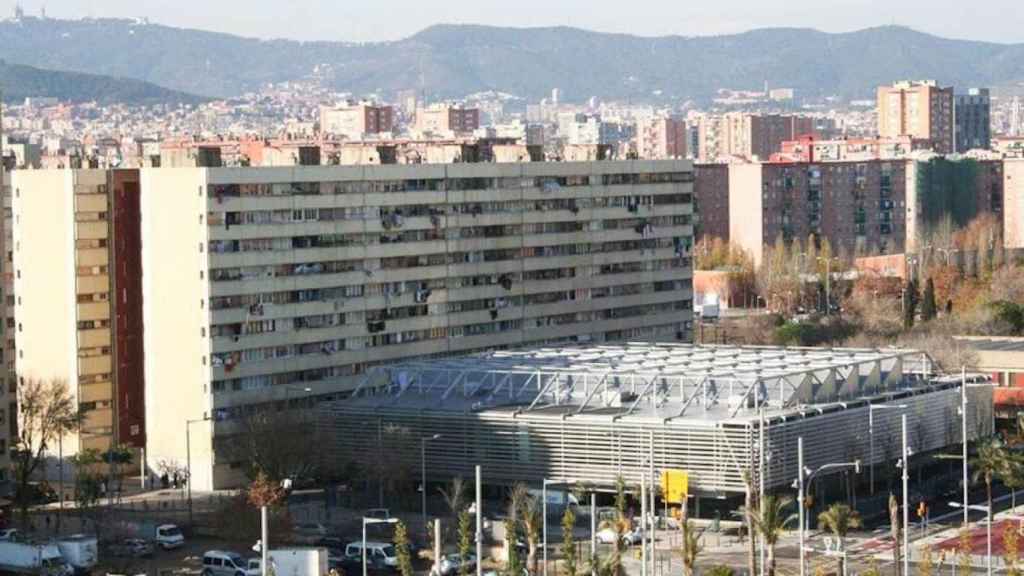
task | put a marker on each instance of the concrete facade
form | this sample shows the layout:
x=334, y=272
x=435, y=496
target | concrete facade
x=447, y=120
x=8, y=376
x=748, y=136
x=917, y=109
x=973, y=120
x=661, y=138
x=357, y=121
x=711, y=200
x=268, y=282
x=70, y=326
x=857, y=206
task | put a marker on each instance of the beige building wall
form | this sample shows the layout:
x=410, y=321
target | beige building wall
x=175, y=295
x=8, y=376
x=229, y=278
x=1013, y=203
x=919, y=110
x=746, y=217
x=44, y=279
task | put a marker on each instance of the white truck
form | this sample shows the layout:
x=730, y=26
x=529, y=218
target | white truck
x=293, y=562
x=26, y=558
x=80, y=551
x=166, y=536
x=710, y=309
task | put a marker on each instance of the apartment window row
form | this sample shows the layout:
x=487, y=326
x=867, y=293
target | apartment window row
x=222, y=191
x=92, y=352
x=380, y=340
x=431, y=235
x=256, y=303
x=442, y=259
x=229, y=360
x=388, y=216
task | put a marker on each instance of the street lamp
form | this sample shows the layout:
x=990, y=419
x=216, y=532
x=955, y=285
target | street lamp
x=544, y=513
x=988, y=512
x=871, y=435
x=367, y=521
x=188, y=461
x=963, y=431
x=423, y=471
x=806, y=475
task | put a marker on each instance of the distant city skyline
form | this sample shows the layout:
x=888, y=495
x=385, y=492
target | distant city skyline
x=326, y=20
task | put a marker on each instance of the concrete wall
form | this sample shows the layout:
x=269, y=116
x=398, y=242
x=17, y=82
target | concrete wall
x=175, y=319
x=1013, y=203
x=746, y=218
x=44, y=278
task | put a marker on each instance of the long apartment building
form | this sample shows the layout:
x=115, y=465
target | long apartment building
x=263, y=285
x=873, y=206
x=77, y=286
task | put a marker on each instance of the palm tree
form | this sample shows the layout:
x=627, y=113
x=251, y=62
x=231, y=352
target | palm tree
x=455, y=495
x=691, y=547
x=990, y=462
x=839, y=519
x=771, y=523
x=524, y=509
x=1012, y=476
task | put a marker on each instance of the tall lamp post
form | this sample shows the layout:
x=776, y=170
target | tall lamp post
x=188, y=460
x=963, y=433
x=805, y=475
x=871, y=435
x=423, y=472
x=988, y=512
x=367, y=521
x=828, y=282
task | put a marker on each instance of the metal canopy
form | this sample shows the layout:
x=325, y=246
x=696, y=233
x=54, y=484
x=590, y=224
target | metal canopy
x=663, y=381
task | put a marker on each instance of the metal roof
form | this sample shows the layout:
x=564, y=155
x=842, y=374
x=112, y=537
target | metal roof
x=664, y=381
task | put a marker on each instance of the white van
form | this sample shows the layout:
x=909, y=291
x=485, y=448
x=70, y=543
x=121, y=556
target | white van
x=376, y=553
x=220, y=563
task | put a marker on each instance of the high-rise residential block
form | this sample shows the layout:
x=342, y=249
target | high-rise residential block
x=261, y=283
x=917, y=109
x=78, y=290
x=1013, y=203
x=973, y=113
x=711, y=200
x=661, y=138
x=742, y=135
x=447, y=120
x=357, y=121
x=856, y=206
x=8, y=354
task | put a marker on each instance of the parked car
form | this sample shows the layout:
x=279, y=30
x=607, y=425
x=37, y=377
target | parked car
x=377, y=551
x=220, y=563
x=131, y=548
x=452, y=564
x=310, y=531
x=10, y=535
x=607, y=536
x=332, y=543
x=380, y=513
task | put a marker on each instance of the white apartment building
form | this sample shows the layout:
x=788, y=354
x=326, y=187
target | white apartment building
x=260, y=283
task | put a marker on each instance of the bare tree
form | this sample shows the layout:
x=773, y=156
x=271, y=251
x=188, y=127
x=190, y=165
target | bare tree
x=275, y=443
x=46, y=412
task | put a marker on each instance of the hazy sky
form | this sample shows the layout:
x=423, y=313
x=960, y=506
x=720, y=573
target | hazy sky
x=994, y=20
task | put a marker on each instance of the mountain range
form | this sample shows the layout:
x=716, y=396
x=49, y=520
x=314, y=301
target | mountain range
x=450, y=61
x=18, y=82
